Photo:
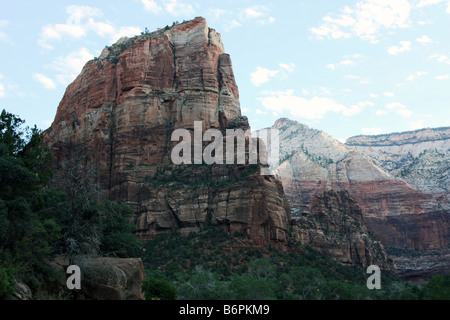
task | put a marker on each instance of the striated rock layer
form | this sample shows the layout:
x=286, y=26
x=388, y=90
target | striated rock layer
x=115, y=123
x=419, y=157
x=398, y=214
x=336, y=227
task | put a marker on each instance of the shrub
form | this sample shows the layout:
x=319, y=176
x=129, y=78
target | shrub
x=6, y=283
x=158, y=289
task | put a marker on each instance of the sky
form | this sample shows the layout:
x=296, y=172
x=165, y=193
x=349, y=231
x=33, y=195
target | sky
x=344, y=67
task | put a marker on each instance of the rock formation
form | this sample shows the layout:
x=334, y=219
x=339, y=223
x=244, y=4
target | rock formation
x=104, y=278
x=395, y=212
x=116, y=119
x=335, y=226
x=419, y=157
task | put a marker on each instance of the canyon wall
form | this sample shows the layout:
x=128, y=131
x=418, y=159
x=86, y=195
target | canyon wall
x=114, y=124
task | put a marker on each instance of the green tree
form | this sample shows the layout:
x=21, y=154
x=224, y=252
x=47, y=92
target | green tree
x=6, y=283
x=204, y=285
x=158, y=289
x=12, y=132
x=118, y=238
x=248, y=287
x=438, y=288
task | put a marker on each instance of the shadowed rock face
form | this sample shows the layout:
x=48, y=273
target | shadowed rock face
x=336, y=227
x=116, y=119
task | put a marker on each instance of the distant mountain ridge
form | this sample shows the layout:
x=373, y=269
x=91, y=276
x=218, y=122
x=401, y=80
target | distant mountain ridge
x=419, y=157
x=399, y=184
x=400, y=138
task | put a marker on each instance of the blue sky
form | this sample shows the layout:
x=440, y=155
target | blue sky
x=344, y=67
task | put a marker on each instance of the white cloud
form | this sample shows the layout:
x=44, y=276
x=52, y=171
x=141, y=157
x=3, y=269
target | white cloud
x=262, y=75
x=404, y=47
x=70, y=66
x=217, y=13
x=425, y=22
x=152, y=6
x=3, y=36
x=77, y=13
x=355, y=56
x=100, y=28
x=299, y=107
x=125, y=32
x=389, y=94
x=259, y=111
x=416, y=75
x=440, y=58
x=233, y=24
x=373, y=95
x=45, y=81
x=371, y=131
x=443, y=77
x=288, y=67
x=395, y=105
x=257, y=13
x=416, y=125
x=2, y=90
x=331, y=31
x=366, y=20
x=424, y=39
x=173, y=7
x=424, y=3
x=80, y=21
x=345, y=63
x=362, y=81
x=404, y=113
x=381, y=112
x=178, y=8
x=58, y=31
x=399, y=108
x=254, y=12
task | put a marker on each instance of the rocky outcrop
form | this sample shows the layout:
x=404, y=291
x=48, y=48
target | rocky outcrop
x=419, y=266
x=397, y=214
x=21, y=291
x=419, y=157
x=336, y=227
x=116, y=119
x=104, y=278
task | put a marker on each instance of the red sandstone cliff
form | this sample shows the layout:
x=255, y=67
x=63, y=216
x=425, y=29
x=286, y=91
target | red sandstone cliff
x=116, y=119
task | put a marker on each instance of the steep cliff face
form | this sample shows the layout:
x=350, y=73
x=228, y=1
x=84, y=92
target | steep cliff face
x=116, y=120
x=396, y=213
x=336, y=227
x=419, y=157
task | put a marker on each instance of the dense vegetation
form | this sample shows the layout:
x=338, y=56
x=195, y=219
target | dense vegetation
x=38, y=222
x=214, y=265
